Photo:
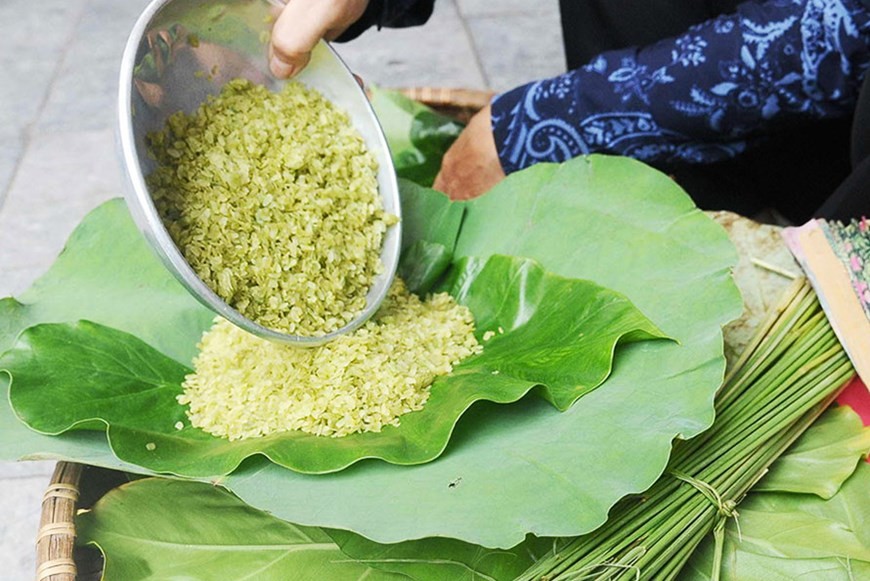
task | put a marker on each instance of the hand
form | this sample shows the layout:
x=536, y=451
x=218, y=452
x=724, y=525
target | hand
x=471, y=165
x=301, y=24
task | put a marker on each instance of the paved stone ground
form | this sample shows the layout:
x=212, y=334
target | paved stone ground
x=57, y=161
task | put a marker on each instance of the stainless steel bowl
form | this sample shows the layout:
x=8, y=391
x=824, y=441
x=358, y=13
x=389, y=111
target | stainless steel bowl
x=182, y=51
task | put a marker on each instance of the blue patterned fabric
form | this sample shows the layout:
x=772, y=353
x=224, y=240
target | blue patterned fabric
x=702, y=97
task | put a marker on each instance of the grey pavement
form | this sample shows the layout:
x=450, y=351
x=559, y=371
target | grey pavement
x=57, y=160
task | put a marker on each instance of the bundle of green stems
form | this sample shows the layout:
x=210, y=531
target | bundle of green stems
x=786, y=377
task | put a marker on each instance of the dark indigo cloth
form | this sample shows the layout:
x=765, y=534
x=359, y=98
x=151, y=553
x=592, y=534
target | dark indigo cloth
x=591, y=27
x=699, y=97
x=390, y=14
x=728, y=85
x=852, y=198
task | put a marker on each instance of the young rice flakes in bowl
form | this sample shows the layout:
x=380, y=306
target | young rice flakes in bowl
x=272, y=198
x=246, y=387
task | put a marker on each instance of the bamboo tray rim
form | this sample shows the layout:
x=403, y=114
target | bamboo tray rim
x=56, y=537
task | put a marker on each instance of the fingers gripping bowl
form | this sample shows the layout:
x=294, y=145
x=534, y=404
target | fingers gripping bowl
x=182, y=52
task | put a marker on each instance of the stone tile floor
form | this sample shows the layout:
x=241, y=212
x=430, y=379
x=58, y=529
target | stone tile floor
x=57, y=159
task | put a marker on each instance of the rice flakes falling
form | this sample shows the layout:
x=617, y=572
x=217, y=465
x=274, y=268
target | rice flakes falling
x=247, y=387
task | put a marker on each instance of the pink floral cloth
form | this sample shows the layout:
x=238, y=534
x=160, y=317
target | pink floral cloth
x=851, y=243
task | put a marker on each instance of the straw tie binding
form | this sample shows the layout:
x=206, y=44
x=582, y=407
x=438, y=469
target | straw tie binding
x=57, y=528
x=726, y=509
x=55, y=567
x=61, y=490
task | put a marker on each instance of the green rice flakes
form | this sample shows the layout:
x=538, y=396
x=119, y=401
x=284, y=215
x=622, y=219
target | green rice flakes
x=272, y=199
x=245, y=387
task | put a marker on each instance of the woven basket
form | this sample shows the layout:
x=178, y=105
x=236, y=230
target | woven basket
x=458, y=103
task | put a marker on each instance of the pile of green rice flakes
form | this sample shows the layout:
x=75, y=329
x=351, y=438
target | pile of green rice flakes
x=245, y=387
x=272, y=198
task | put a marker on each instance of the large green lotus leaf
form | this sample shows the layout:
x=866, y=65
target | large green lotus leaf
x=823, y=458
x=159, y=528
x=123, y=288
x=106, y=273
x=396, y=114
x=627, y=227
x=17, y=442
x=786, y=536
x=606, y=219
x=429, y=233
x=558, y=334
x=554, y=331
x=164, y=529
x=754, y=567
x=438, y=559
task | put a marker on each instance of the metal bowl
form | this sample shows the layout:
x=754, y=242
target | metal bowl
x=182, y=51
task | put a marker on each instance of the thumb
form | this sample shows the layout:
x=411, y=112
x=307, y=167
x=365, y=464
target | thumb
x=300, y=26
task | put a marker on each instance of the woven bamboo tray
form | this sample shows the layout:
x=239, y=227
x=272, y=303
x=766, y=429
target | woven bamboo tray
x=458, y=103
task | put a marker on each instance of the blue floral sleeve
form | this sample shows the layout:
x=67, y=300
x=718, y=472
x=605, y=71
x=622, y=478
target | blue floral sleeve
x=702, y=97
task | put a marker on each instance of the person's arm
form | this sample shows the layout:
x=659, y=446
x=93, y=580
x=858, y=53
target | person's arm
x=701, y=97
x=302, y=23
